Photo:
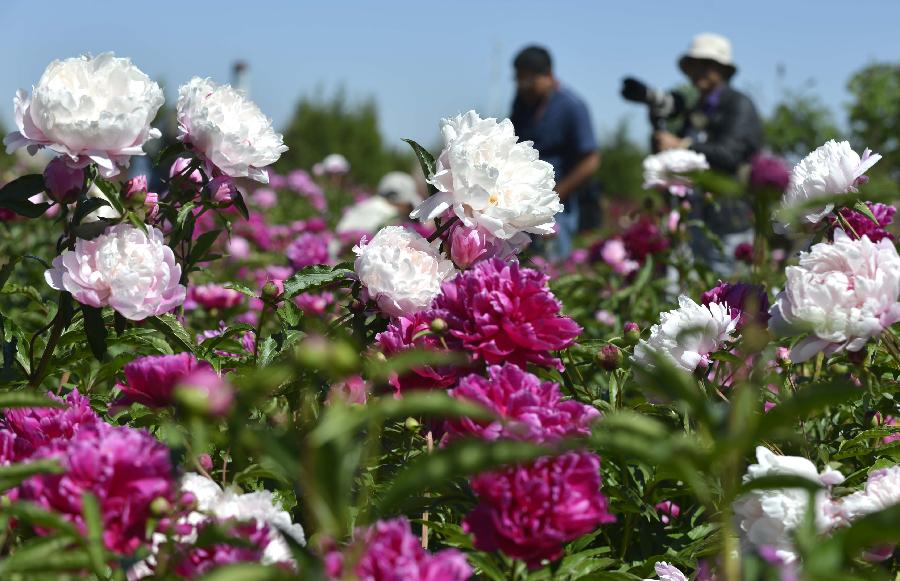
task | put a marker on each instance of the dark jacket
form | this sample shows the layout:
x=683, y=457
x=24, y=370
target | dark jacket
x=728, y=134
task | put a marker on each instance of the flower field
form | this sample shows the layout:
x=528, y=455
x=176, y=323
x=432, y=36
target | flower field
x=230, y=373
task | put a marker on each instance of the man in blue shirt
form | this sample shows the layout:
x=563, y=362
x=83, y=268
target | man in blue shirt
x=558, y=123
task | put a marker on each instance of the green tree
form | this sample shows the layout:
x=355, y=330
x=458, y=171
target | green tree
x=333, y=125
x=620, y=167
x=799, y=124
x=874, y=115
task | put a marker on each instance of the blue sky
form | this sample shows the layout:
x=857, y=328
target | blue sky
x=424, y=60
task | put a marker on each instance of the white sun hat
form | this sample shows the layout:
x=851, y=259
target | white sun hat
x=401, y=187
x=708, y=46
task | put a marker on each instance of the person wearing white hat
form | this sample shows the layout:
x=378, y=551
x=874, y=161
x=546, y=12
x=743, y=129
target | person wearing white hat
x=725, y=127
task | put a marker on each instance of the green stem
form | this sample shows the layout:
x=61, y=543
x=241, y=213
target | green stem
x=59, y=324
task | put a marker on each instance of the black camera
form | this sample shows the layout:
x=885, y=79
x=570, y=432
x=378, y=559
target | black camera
x=661, y=104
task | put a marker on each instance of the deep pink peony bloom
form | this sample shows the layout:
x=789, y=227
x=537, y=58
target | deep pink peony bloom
x=124, y=468
x=500, y=312
x=644, y=238
x=767, y=171
x=214, y=296
x=150, y=380
x=391, y=552
x=308, y=249
x=469, y=245
x=414, y=332
x=668, y=511
x=63, y=182
x=529, y=511
x=27, y=430
x=528, y=408
x=265, y=198
x=863, y=226
x=192, y=562
x=314, y=303
x=748, y=302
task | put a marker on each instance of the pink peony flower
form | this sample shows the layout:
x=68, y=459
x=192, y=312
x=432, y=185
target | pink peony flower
x=414, y=332
x=191, y=561
x=63, y=182
x=27, y=430
x=314, y=303
x=309, y=249
x=150, y=380
x=214, y=296
x=747, y=302
x=178, y=168
x=223, y=190
x=644, y=238
x=389, y=551
x=238, y=247
x=351, y=390
x=529, y=511
x=130, y=270
x=862, y=225
x=767, y=171
x=124, y=468
x=136, y=185
x=668, y=511
x=527, y=408
x=614, y=254
x=500, y=312
x=471, y=244
x=207, y=390
x=265, y=198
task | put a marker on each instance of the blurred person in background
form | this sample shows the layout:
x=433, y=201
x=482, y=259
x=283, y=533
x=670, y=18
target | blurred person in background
x=724, y=126
x=558, y=123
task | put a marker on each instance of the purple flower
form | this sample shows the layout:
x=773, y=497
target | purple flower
x=308, y=249
x=529, y=511
x=192, y=562
x=414, y=332
x=748, y=302
x=527, y=408
x=767, y=171
x=150, y=380
x=499, y=312
x=863, y=226
x=27, y=430
x=125, y=469
x=63, y=182
x=389, y=551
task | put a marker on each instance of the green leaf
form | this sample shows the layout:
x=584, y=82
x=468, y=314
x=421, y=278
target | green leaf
x=267, y=352
x=45, y=554
x=863, y=209
x=243, y=289
x=238, y=201
x=7, y=269
x=22, y=188
x=313, y=277
x=34, y=515
x=112, y=194
x=27, y=399
x=426, y=161
x=248, y=572
x=462, y=458
x=172, y=151
x=86, y=206
x=779, y=481
x=95, y=329
x=202, y=245
x=90, y=510
x=289, y=314
x=169, y=326
x=812, y=398
x=342, y=420
x=13, y=474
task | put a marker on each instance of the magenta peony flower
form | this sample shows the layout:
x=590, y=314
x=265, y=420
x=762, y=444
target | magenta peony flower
x=351, y=390
x=862, y=225
x=667, y=510
x=528, y=408
x=744, y=252
x=500, y=312
x=314, y=303
x=644, y=238
x=468, y=245
x=63, y=182
x=529, y=511
x=214, y=296
x=192, y=562
x=27, y=430
x=150, y=380
x=308, y=249
x=767, y=171
x=748, y=302
x=414, y=332
x=124, y=468
x=126, y=268
x=391, y=552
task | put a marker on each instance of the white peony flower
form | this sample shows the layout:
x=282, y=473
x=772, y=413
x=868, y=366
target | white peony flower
x=490, y=179
x=767, y=517
x=333, y=164
x=130, y=270
x=665, y=170
x=401, y=270
x=90, y=109
x=842, y=294
x=667, y=572
x=259, y=506
x=882, y=491
x=686, y=336
x=367, y=216
x=832, y=169
x=228, y=129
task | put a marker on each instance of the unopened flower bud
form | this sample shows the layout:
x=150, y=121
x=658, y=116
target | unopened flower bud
x=134, y=186
x=160, y=506
x=205, y=462
x=271, y=291
x=438, y=325
x=610, y=357
x=783, y=356
x=223, y=191
x=63, y=183
x=631, y=333
x=411, y=424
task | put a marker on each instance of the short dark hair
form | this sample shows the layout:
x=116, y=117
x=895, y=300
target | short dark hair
x=533, y=59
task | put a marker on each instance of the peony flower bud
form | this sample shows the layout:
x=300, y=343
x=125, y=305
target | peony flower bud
x=467, y=245
x=223, y=191
x=62, y=182
x=632, y=333
x=136, y=185
x=160, y=507
x=179, y=166
x=205, y=462
x=151, y=205
x=610, y=357
x=438, y=325
x=412, y=424
x=271, y=291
